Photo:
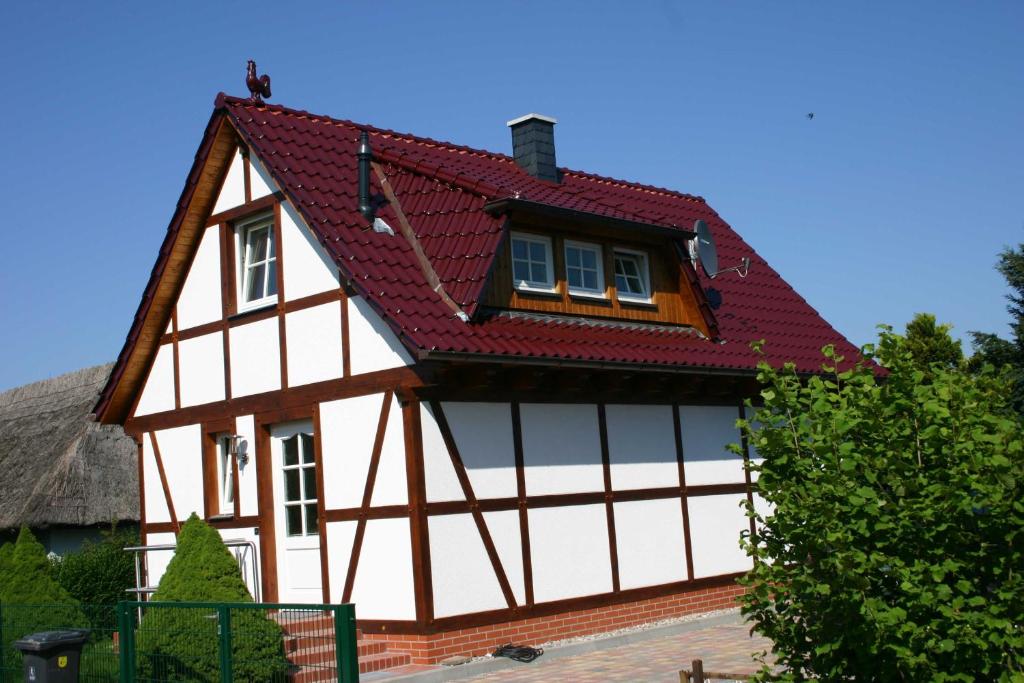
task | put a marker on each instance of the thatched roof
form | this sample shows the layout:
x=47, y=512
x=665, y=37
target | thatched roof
x=58, y=466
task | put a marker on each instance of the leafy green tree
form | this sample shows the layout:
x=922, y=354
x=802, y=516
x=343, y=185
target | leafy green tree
x=929, y=342
x=1001, y=353
x=181, y=644
x=894, y=545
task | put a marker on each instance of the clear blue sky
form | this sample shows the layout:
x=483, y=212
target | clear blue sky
x=894, y=199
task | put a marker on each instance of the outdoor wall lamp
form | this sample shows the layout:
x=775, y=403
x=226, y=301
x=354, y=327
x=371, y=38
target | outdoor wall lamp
x=238, y=447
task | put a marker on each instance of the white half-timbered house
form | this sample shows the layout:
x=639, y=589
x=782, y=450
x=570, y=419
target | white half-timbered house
x=497, y=396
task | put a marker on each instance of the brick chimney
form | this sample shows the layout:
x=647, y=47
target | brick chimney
x=533, y=145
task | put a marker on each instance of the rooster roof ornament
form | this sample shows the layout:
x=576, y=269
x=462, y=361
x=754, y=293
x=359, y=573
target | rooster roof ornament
x=259, y=86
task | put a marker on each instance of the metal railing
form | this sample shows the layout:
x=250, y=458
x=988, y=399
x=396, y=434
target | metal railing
x=245, y=559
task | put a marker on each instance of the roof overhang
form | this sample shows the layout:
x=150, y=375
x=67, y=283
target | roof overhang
x=510, y=206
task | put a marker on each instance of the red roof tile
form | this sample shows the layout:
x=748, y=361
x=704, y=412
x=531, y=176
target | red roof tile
x=443, y=188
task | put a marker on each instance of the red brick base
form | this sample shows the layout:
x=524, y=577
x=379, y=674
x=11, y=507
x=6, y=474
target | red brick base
x=479, y=640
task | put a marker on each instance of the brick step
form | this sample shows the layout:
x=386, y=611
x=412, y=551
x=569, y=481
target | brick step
x=324, y=653
x=378, y=662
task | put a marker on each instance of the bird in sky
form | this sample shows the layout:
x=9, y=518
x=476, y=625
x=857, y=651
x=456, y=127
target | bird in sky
x=810, y=115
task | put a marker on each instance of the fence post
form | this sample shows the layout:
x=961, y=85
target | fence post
x=346, y=654
x=126, y=643
x=3, y=647
x=224, y=633
x=698, y=671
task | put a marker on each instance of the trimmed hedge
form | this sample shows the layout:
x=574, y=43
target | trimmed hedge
x=179, y=644
x=99, y=573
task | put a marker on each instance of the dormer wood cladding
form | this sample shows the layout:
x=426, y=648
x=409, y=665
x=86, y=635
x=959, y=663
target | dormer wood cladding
x=672, y=301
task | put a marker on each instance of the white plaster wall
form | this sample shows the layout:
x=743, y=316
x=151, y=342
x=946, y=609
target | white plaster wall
x=340, y=536
x=463, y=577
x=348, y=428
x=391, y=487
x=755, y=457
x=374, y=345
x=508, y=541
x=232, y=193
x=706, y=432
x=483, y=434
x=157, y=560
x=156, y=503
x=650, y=543
x=561, y=448
x=383, y=587
x=201, y=369
x=307, y=267
x=158, y=393
x=569, y=552
x=246, y=556
x=181, y=450
x=438, y=471
x=248, y=500
x=314, y=344
x=259, y=180
x=200, y=300
x=255, y=358
x=715, y=526
x=641, y=446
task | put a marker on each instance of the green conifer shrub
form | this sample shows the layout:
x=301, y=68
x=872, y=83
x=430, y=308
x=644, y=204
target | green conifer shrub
x=181, y=644
x=30, y=596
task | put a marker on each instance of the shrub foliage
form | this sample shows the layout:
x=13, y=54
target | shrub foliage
x=182, y=644
x=100, y=572
x=891, y=548
x=31, y=599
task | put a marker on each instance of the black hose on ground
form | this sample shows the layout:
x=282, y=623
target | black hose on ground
x=520, y=653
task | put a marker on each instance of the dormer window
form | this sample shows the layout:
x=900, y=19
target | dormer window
x=532, y=263
x=632, y=276
x=583, y=268
x=259, y=262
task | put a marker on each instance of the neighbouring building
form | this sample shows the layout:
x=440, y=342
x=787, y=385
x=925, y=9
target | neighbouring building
x=491, y=405
x=63, y=474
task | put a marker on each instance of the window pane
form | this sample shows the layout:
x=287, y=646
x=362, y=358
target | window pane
x=309, y=483
x=257, y=245
x=270, y=241
x=572, y=257
x=293, y=519
x=574, y=277
x=540, y=273
x=589, y=259
x=537, y=252
x=307, y=448
x=621, y=284
x=311, y=525
x=590, y=279
x=255, y=288
x=521, y=271
x=271, y=287
x=519, y=249
x=291, y=486
x=291, y=450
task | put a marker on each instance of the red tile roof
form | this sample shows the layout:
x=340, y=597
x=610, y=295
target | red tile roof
x=443, y=188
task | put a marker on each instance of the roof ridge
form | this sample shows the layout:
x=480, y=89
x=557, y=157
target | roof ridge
x=223, y=100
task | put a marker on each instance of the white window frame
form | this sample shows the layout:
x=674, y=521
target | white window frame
x=599, y=292
x=645, y=275
x=549, y=254
x=242, y=230
x=225, y=475
x=304, y=502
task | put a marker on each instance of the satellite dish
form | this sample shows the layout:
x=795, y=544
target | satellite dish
x=703, y=247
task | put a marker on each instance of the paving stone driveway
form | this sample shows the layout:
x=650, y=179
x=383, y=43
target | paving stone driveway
x=725, y=648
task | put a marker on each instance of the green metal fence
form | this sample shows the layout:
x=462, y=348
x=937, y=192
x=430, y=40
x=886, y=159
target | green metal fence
x=192, y=641
x=99, y=662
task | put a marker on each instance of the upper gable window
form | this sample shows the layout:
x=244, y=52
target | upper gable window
x=584, y=271
x=532, y=262
x=632, y=276
x=259, y=262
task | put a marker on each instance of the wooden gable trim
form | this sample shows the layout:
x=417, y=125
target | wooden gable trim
x=176, y=253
